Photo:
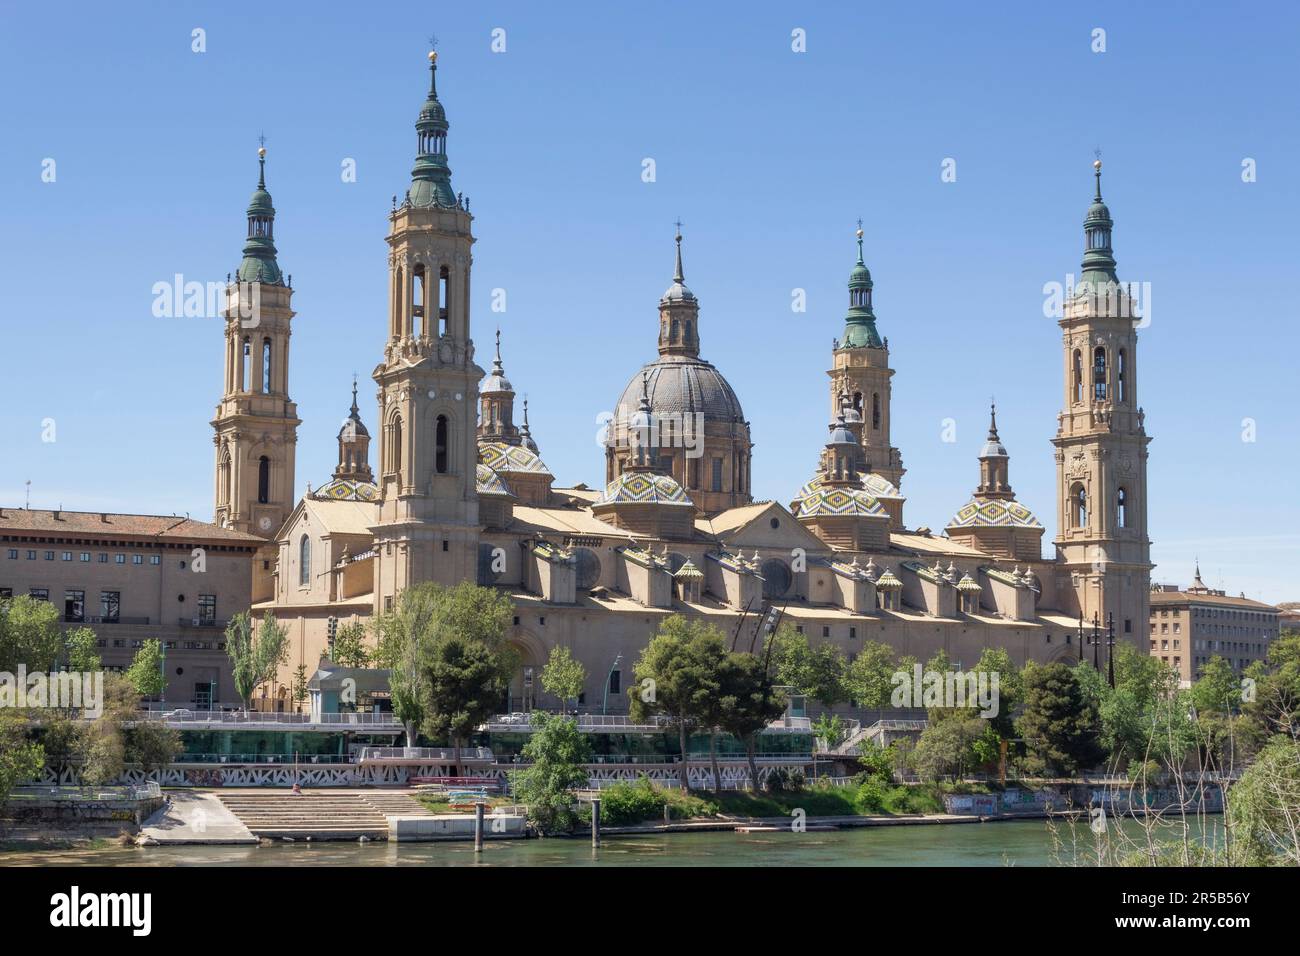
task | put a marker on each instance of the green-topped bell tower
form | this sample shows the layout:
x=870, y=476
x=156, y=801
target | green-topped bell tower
x=861, y=371
x=1101, y=444
x=428, y=382
x=256, y=423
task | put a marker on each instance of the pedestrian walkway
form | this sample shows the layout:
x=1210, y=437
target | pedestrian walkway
x=194, y=817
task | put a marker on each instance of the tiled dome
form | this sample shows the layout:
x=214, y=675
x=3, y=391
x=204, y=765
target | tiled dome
x=347, y=489
x=504, y=458
x=680, y=384
x=872, y=484
x=644, y=487
x=994, y=513
x=839, y=502
x=488, y=482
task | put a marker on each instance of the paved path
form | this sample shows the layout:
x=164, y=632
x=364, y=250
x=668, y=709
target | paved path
x=195, y=817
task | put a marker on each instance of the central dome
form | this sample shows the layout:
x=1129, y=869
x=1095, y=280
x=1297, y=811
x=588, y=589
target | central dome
x=680, y=385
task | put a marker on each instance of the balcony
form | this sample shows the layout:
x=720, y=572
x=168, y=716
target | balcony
x=202, y=622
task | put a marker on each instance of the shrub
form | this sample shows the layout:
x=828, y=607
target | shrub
x=626, y=803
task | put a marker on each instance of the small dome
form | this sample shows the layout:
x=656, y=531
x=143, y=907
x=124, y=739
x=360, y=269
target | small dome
x=993, y=513
x=260, y=204
x=432, y=112
x=495, y=383
x=1098, y=212
x=872, y=484
x=644, y=487
x=488, y=482
x=841, y=435
x=347, y=489
x=840, y=502
x=993, y=448
x=677, y=292
x=505, y=459
x=860, y=277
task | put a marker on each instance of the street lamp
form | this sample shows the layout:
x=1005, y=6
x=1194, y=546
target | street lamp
x=162, y=672
x=609, y=677
x=1110, y=647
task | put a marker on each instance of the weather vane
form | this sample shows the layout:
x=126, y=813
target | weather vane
x=433, y=41
x=678, y=224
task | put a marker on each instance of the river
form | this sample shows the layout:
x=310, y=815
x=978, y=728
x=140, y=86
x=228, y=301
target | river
x=1005, y=843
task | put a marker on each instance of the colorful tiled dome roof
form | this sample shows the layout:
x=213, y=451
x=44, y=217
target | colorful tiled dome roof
x=994, y=513
x=872, y=484
x=505, y=459
x=488, y=482
x=840, y=502
x=644, y=487
x=347, y=489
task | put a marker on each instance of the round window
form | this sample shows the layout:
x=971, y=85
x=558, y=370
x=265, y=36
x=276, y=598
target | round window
x=776, y=578
x=588, y=568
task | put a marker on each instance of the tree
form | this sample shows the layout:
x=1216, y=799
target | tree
x=300, y=684
x=749, y=702
x=350, y=648
x=816, y=672
x=466, y=680
x=677, y=676
x=946, y=747
x=563, y=676
x=1265, y=806
x=405, y=633
x=558, y=752
x=1218, y=690
x=868, y=677
x=255, y=656
x=152, y=745
x=83, y=651
x=29, y=634
x=146, y=670
x=1059, y=725
x=20, y=759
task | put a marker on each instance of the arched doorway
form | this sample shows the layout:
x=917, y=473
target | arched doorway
x=526, y=679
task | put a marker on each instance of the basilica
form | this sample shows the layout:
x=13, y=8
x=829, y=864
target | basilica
x=458, y=488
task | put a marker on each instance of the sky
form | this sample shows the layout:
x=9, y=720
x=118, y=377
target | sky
x=768, y=154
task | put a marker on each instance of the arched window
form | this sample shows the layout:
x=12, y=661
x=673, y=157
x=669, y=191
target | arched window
x=1121, y=375
x=857, y=402
x=1078, y=376
x=1121, y=508
x=263, y=480
x=223, y=478
x=399, y=295
x=687, y=327
x=266, y=365
x=1079, y=506
x=444, y=299
x=245, y=367
x=440, y=445
x=395, y=445
x=304, y=561
x=1099, y=374
x=417, y=300
x=875, y=410
x=672, y=335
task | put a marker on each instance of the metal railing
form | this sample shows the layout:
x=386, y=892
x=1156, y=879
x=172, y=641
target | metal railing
x=182, y=715
x=422, y=753
x=289, y=759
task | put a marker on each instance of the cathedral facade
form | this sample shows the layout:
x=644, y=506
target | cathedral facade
x=458, y=488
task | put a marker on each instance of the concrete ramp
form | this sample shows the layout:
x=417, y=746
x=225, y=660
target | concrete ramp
x=194, y=817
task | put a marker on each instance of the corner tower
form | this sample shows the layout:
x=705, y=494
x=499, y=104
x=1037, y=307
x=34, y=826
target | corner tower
x=1101, y=444
x=427, y=382
x=256, y=423
x=860, y=369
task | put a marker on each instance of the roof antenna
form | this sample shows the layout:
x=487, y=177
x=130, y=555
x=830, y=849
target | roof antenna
x=28, y=506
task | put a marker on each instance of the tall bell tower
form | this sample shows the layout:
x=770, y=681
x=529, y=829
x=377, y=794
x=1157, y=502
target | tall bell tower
x=861, y=371
x=256, y=423
x=1101, y=444
x=428, y=524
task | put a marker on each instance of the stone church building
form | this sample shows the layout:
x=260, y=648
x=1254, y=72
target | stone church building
x=457, y=487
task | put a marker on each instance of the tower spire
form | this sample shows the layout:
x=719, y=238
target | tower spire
x=678, y=276
x=679, y=311
x=1098, y=256
x=259, y=263
x=860, y=322
x=431, y=177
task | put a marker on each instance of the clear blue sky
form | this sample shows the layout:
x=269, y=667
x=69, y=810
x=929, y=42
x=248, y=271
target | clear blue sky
x=768, y=156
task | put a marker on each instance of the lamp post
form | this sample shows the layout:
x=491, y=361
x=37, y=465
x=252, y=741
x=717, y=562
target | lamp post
x=1110, y=647
x=162, y=671
x=1096, y=641
x=1080, y=637
x=609, y=677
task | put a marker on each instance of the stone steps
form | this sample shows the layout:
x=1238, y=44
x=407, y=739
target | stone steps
x=318, y=814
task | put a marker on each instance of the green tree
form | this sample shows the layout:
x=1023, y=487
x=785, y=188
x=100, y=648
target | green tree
x=946, y=747
x=749, y=702
x=816, y=672
x=1059, y=725
x=1264, y=808
x=350, y=648
x=563, y=676
x=255, y=654
x=1275, y=708
x=146, y=670
x=868, y=678
x=300, y=682
x=1218, y=689
x=20, y=759
x=557, y=752
x=405, y=636
x=83, y=651
x=29, y=634
x=678, y=677
x=466, y=681
x=152, y=745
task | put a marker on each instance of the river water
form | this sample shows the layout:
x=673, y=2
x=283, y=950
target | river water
x=1003, y=843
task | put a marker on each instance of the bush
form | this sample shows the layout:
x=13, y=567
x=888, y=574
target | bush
x=780, y=779
x=626, y=803
x=870, y=797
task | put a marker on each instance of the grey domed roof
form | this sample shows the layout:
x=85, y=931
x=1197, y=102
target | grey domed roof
x=679, y=383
